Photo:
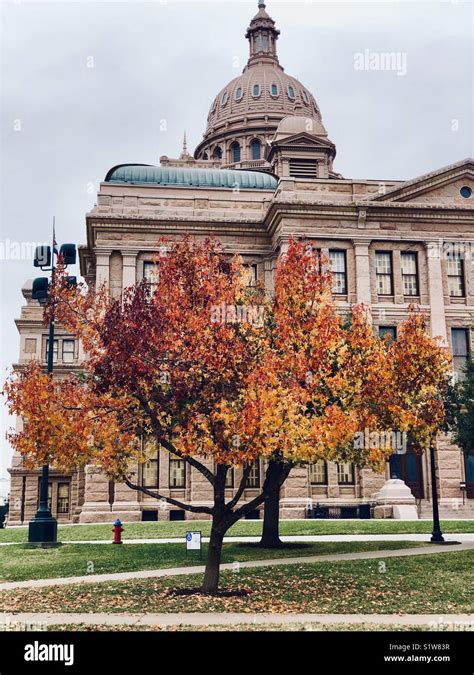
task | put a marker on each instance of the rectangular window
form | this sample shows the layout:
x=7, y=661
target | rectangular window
x=68, y=351
x=253, y=480
x=339, y=272
x=150, y=469
x=383, y=269
x=151, y=273
x=391, y=331
x=455, y=271
x=250, y=275
x=177, y=473
x=50, y=494
x=63, y=497
x=410, y=274
x=55, y=351
x=229, y=479
x=345, y=473
x=318, y=473
x=460, y=343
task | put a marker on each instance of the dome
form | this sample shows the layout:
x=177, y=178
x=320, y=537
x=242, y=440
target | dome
x=296, y=124
x=262, y=89
x=245, y=114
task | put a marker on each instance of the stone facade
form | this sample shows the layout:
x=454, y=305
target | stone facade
x=360, y=220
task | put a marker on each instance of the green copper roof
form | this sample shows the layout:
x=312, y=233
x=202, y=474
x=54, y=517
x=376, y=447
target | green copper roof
x=218, y=178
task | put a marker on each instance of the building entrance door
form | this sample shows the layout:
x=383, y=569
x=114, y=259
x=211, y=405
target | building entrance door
x=408, y=468
x=469, y=466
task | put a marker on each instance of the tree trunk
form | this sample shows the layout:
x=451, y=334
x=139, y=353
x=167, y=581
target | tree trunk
x=211, y=575
x=276, y=475
x=271, y=521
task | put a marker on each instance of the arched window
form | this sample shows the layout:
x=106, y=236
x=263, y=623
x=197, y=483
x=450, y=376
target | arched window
x=255, y=149
x=274, y=90
x=239, y=93
x=291, y=92
x=217, y=152
x=224, y=98
x=256, y=90
x=235, y=150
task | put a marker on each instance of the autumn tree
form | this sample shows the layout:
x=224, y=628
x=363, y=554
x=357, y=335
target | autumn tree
x=459, y=402
x=216, y=373
x=343, y=367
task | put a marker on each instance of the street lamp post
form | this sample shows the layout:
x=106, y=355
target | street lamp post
x=43, y=528
x=437, y=535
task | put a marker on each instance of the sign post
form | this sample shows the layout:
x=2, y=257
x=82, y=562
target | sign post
x=194, y=542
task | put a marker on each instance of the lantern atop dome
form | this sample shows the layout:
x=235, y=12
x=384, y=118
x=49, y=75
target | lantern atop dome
x=262, y=36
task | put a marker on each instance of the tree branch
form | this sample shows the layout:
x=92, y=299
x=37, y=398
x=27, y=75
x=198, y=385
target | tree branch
x=235, y=499
x=158, y=431
x=259, y=499
x=170, y=500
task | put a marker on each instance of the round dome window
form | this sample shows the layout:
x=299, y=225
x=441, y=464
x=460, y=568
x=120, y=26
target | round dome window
x=465, y=191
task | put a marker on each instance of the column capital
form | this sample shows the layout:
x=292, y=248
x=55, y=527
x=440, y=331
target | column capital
x=103, y=254
x=434, y=248
x=129, y=257
x=361, y=244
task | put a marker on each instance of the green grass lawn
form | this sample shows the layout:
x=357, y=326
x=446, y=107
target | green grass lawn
x=20, y=562
x=244, y=528
x=428, y=584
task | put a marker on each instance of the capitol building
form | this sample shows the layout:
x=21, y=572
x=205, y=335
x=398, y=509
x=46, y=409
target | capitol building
x=263, y=172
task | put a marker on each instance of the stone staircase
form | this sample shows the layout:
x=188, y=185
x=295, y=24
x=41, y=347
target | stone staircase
x=448, y=510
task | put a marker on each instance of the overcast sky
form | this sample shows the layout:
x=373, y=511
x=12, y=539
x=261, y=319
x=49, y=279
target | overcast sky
x=85, y=86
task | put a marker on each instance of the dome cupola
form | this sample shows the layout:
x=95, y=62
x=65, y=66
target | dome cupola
x=245, y=114
x=262, y=36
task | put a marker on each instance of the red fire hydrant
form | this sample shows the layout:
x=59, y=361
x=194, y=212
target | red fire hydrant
x=118, y=529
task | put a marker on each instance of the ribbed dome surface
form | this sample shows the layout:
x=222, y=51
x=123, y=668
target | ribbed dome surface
x=278, y=95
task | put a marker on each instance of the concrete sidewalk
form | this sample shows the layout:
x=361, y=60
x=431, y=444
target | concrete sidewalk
x=308, y=538
x=36, y=621
x=180, y=571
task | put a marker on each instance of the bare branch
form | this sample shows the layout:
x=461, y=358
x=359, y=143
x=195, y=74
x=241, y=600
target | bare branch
x=241, y=488
x=170, y=500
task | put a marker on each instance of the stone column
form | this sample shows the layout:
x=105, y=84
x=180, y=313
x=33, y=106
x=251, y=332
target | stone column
x=201, y=491
x=362, y=264
x=370, y=482
x=449, y=464
x=295, y=494
x=333, y=484
x=269, y=267
x=129, y=268
x=102, y=258
x=126, y=505
x=96, y=507
x=397, y=277
x=435, y=289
